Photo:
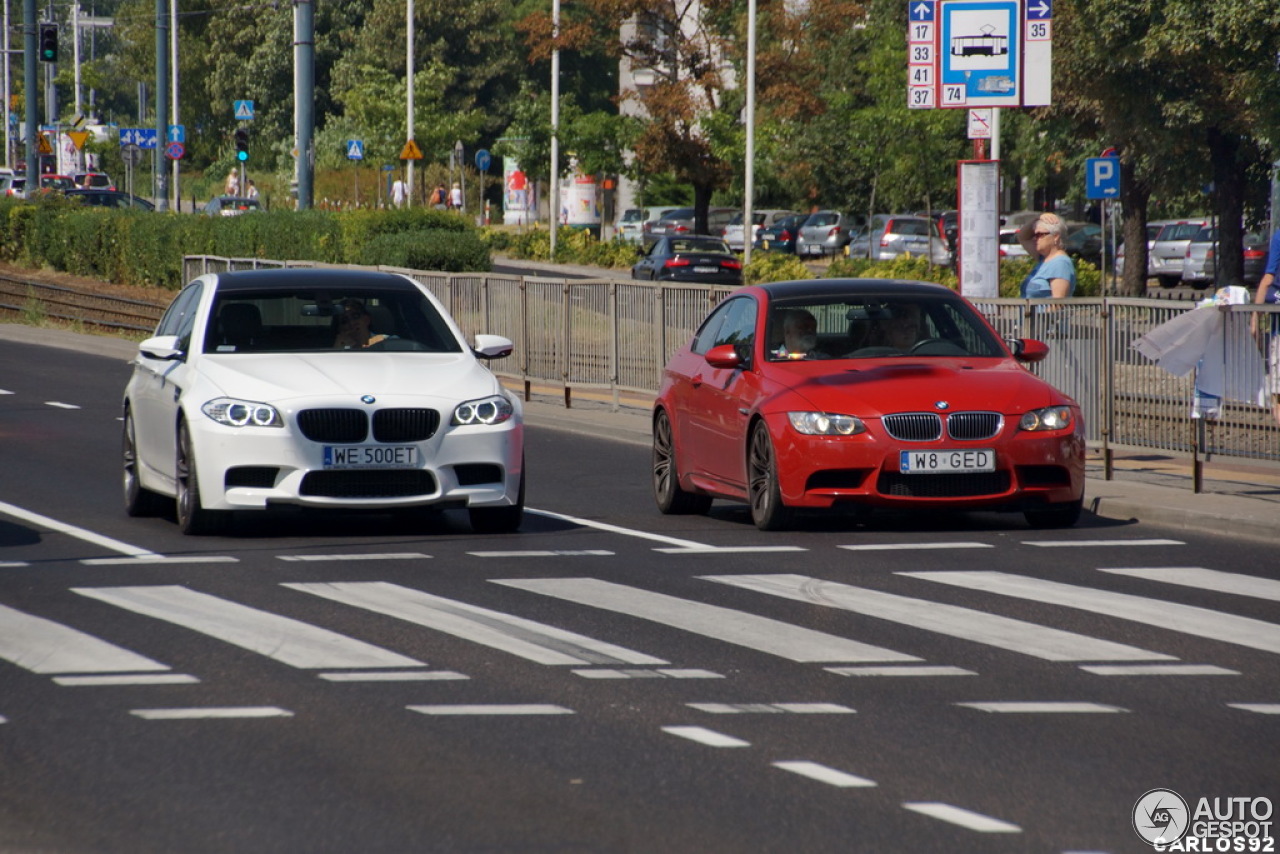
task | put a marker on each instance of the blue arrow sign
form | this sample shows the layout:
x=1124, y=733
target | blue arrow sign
x=1102, y=178
x=355, y=149
x=244, y=110
x=483, y=160
x=177, y=133
x=141, y=137
x=921, y=10
x=1039, y=10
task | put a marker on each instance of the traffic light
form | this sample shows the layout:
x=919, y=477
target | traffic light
x=242, y=144
x=48, y=42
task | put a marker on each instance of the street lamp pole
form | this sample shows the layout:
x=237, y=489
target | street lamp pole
x=555, y=124
x=748, y=202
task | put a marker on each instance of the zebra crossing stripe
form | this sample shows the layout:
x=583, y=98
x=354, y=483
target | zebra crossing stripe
x=1157, y=670
x=1205, y=579
x=43, y=646
x=702, y=735
x=737, y=627
x=516, y=635
x=286, y=640
x=771, y=708
x=496, y=709
x=823, y=774
x=962, y=817
x=952, y=620
x=1172, y=616
x=1260, y=708
x=72, y=531
x=211, y=713
x=1050, y=707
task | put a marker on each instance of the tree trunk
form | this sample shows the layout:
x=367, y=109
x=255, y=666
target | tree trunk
x=701, y=204
x=1228, y=191
x=1134, y=195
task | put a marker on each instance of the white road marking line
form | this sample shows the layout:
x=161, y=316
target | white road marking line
x=157, y=560
x=731, y=550
x=288, y=641
x=962, y=817
x=775, y=637
x=660, y=673
x=1260, y=708
x=902, y=670
x=1069, y=544
x=772, y=708
x=212, y=712
x=43, y=646
x=952, y=620
x=614, y=529
x=528, y=639
x=409, y=676
x=127, y=679
x=482, y=710
x=358, y=557
x=546, y=553
x=1028, y=708
x=823, y=774
x=57, y=404
x=709, y=737
x=1205, y=579
x=73, y=531
x=1187, y=619
x=1157, y=670
x=5, y=391
x=13, y=564
x=3, y=719
x=895, y=547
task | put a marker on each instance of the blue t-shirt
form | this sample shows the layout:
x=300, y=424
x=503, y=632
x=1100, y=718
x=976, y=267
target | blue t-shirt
x=1036, y=284
x=1273, y=257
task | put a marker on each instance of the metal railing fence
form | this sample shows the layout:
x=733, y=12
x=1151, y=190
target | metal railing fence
x=615, y=336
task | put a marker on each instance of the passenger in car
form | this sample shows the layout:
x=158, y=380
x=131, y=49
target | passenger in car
x=799, y=336
x=899, y=328
x=354, y=326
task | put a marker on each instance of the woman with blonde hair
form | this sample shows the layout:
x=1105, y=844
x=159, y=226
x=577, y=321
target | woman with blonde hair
x=1055, y=274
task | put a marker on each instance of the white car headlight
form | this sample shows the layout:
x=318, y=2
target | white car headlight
x=1053, y=418
x=826, y=424
x=242, y=413
x=488, y=410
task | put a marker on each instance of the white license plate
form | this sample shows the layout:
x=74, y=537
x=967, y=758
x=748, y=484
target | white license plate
x=706, y=269
x=370, y=456
x=932, y=462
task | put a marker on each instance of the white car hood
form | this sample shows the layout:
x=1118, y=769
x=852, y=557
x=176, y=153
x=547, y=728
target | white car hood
x=280, y=378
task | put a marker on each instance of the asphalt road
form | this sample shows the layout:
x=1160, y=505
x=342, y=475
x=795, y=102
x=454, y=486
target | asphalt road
x=605, y=680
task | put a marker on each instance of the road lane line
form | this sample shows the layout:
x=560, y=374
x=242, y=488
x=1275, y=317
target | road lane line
x=126, y=679
x=407, y=676
x=547, y=553
x=824, y=774
x=286, y=640
x=357, y=557
x=952, y=620
x=1157, y=670
x=212, y=713
x=775, y=637
x=43, y=646
x=1072, y=544
x=732, y=550
x=528, y=639
x=1171, y=616
x=57, y=404
x=1205, y=579
x=771, y=708
x=709, y=737
x=660, y=673
x=1044, y=707
x=1260, y=708
x=962, y=817
x=615, y=529
x=895, y=547
x=488, y=710
x=73, y=531
x=158, y=560
x=902, y=670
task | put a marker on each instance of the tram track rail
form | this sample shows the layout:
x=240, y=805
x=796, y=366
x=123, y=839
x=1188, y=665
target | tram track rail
x=28, y=298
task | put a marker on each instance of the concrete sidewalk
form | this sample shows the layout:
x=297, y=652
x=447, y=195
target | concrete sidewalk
x=1236, y=499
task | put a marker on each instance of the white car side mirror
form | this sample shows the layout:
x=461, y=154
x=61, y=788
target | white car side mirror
x=493, y=347
x=161, y=347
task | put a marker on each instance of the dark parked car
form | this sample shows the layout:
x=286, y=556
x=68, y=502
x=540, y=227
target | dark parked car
x=1200, y=266
x=781, y=236
x=1084, y=241
x=110, y=199
x=681, y=221
x=690, y=259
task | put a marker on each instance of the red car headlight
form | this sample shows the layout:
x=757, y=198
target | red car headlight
x=826, y=424
x=1052, y=418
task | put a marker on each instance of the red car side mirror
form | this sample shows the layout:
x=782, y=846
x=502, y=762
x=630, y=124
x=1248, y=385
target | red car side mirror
x=1028, y=349
x=725, y=356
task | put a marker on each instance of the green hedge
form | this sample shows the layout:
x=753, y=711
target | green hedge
x=146, y=249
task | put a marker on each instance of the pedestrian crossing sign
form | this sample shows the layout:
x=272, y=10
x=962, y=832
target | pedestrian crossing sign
x=355, y=149
x=411, y=151
x=244, y=110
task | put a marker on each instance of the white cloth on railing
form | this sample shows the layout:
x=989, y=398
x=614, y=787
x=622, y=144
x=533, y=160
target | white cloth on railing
x=1224, y=355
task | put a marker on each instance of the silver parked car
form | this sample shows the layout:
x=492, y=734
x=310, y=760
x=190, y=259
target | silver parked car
x=1169, y=250
x=904, y=234
x=680, y=221
x=734, y=232
x=823, y=233
x=1199, y=265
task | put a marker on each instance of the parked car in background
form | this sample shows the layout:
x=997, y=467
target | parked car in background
x=52, y=183
x=652, y=215
x=857, y=395
x=242, y=401
x=734, y=232
x=631, y=225
x=823, y=233
x=230, y=206
x=907, y=234
x=109, y=199
x=689, y=258
x=13, y=186
x=1169, y=250
x=1009, y=245
x=860, y=235
x=781, y=236
x=681, y=221
x=1199, y=265
x=1084, y=241
x=1153, y=229
x=93, y=180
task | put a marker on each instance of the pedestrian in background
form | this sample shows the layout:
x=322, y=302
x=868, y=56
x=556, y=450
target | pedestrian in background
x=1268, y=293
x=455, y=197
x=1054, y=276
x=398, y=193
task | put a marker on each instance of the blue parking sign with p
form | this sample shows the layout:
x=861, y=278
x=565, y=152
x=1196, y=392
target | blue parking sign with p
x=1102, y=178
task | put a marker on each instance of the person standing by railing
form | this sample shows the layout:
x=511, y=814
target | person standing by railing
x=1268, y=292
x=1054, y=276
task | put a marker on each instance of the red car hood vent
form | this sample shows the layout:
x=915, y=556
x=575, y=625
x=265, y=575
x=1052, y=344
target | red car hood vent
x=926, y=387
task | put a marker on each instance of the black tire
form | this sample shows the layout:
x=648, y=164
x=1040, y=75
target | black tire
x=671, y=499
x=138, y=500
x=499, y=520
x=193, y=519
x=1063, y=515
x=767, y=510
x=1169, y=282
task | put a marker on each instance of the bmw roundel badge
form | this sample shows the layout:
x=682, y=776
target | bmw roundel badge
x=941, y=404
x=368, y=398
